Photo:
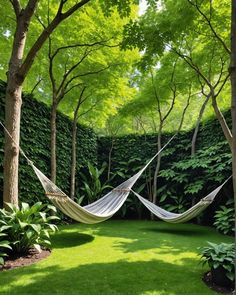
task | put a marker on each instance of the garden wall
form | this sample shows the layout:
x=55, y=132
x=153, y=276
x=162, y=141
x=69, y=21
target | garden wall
x=35, y=141
x=183, y=179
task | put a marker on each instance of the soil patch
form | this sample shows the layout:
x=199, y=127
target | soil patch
x=207, y=278
x=15, y=261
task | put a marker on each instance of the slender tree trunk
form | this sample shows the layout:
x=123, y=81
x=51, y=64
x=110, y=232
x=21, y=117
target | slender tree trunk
x=233, y=101
x=158, y=164
x=109, y=160
x=194, y=138
x=73, y=158
x=157, y=169
x=53, y=142
x=222, y=121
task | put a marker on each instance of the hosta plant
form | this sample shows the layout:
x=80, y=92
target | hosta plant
x=220, y=257
x=28, y=227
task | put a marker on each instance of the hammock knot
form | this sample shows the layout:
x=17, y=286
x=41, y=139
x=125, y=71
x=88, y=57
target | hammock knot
x=121, y=190
x=56, y=196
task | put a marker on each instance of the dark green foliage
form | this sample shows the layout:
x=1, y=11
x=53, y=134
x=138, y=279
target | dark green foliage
x=92, y=186
x=217, y=255
x=4, y=244
x=183, y=180
x=28, y=227
x=224, y=218
x=35, y=141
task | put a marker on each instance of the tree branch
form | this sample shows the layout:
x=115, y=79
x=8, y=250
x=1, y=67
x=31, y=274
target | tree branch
x=16, y=6
x=83, y=45
x=36, y=85
x=26, y=65
x=65, y=76
x=208, y=20
x=51, y=75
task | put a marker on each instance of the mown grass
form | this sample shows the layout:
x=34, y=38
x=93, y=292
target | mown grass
x=118, y=257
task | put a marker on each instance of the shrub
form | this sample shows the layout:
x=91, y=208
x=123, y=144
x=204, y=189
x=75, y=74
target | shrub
x=224, y=219
x=28, y=227
x=4, y=244
x=93, y=188
x=220, y=256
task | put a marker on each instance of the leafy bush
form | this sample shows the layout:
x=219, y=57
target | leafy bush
x=4, y=244
x=28, y=227
x=178, y=204
x=220, y=255
x=93, y=188
x=224, y=219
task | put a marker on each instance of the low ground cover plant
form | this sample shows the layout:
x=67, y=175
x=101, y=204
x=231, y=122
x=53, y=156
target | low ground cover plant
x=27, y=227
x=220, y=258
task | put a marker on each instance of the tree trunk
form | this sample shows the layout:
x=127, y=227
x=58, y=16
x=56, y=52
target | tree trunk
x=158, y=164
x=222, y=121
x=194, y=138
x=13, y=112
x=109, y=160
x=233, y=99
x=73, y=159
x=11, y=155
x=53, y=142
x=17, y=71
x=157, y=169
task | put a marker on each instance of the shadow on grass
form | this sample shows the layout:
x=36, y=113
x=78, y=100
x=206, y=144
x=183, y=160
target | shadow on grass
x=190, y=232
x=121, y=277
x=154, y=235
x=65, y=239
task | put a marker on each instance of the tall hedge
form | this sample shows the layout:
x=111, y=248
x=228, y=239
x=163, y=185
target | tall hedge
x=183, y=179
x=35, y=141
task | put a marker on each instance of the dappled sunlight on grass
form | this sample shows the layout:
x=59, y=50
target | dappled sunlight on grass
x=117, y=257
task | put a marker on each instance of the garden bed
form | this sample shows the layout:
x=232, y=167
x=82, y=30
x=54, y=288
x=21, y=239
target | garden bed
x=22, y=260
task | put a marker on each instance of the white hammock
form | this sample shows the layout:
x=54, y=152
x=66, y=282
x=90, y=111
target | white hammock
x=98, y=211
x=108, y=205
x=181, y=217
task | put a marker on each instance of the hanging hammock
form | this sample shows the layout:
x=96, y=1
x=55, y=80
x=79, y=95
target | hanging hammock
x=185, y=216
x=98, y=211
x=108, y=205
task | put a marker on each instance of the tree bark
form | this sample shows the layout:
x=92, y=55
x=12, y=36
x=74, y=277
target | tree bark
x=53, y=142
x=233, y=99
x=109, y=159
x=73, y=158
x=194, y=138
x=158, y=164
x=13, y=104
x=11, y=155
x=222, y=121
x=74, y=144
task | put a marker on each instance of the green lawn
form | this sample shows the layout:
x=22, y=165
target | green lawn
x=118, y=257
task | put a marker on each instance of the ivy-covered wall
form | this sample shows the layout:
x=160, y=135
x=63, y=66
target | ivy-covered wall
x=35, y=141
x=183, y=179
